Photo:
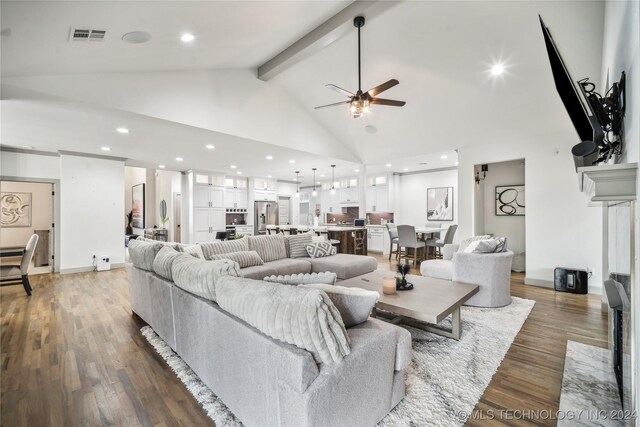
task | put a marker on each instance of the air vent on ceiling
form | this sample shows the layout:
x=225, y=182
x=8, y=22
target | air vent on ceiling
x=84, y=34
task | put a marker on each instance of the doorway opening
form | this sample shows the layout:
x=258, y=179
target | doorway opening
x=27, y=209
x=500, y=207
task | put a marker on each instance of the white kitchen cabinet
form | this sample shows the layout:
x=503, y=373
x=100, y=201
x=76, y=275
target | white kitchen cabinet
x=378, y=199
x=265, y=195
x=235, y=182
x=264, y=184
x=206, y=196
x=349, y=195
x=375, y=242
x=235, y=198
x=206, y=223
x=217, y=180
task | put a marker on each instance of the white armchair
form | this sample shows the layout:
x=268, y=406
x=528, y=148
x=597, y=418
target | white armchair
x=492, y=272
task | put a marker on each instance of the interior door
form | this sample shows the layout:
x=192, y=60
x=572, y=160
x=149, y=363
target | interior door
x=177, y=215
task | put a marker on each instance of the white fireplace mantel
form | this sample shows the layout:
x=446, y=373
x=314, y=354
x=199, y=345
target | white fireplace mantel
x=609, y=183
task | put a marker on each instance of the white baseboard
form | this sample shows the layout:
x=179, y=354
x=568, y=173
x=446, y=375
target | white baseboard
x=538, y=282
x=88, y=269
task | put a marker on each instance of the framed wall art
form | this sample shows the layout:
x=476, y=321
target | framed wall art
x=510, y=200
x=440, y=204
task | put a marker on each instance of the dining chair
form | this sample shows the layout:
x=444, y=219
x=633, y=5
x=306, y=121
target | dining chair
x=19, y=273
x=392, y=229
x=438, y=244
x=408, y=239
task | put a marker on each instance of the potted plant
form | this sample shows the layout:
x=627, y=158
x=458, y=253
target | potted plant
x=401, y=280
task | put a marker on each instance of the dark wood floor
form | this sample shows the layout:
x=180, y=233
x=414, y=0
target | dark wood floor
x=72, y=354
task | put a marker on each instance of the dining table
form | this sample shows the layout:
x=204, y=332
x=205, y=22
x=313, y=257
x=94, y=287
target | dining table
x=11, y=251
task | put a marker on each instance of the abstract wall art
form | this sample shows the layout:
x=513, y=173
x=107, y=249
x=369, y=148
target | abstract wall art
x=440, y=204
x=16, y=209
x=510, y=200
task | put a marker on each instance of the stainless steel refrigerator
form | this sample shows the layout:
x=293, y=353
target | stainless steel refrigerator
x=266, y=213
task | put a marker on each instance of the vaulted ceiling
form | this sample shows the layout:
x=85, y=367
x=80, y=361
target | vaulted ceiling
x=176, y=97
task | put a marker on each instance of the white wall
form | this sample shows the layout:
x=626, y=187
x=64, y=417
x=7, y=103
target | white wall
x=29, y=165
x=621, y=51
x=561, y=229
x=92, y=211
x=511, y=227
x=411, y=196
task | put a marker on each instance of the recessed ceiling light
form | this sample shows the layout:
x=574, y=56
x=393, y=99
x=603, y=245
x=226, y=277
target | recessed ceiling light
x=161, y=166
x=322, y=175
x=122, y=130
x=179, y=159
x=269, y=157
x=405, y=169
x=356, y=170
x=388, y=165
x=239, y=173
x=233, y=166
x=497, y=69
x=136, y=37
x=210, y=146
x=105, y=148
x=187, y=37
x=292, y=161
x=268, y=176
x=457, y=163
x=318, y=183
x=443, y=157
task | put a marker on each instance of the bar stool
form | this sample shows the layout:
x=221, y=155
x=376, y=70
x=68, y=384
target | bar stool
x=359, y=237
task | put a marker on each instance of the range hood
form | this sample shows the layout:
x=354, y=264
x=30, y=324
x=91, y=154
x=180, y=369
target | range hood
x=609, y=183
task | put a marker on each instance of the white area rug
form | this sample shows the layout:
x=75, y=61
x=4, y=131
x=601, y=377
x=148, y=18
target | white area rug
x=444, y=381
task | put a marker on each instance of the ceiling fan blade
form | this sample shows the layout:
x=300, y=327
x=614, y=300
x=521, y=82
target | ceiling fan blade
x=381, y=88
x=333, y=105
x=391, y=102
x=339, y=90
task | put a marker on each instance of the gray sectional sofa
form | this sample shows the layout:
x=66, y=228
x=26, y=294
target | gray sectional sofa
x=268, y=382
x=345, y=266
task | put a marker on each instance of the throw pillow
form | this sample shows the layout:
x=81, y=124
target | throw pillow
x=163, y=262
x=244, y=259
x=297, y=243
x=270, y=248
x=320, y=249
x=466, y=242
x=199, y=277
x=327, y=278
x=488, y=246
x=224, y=247
x=354, y=304
x=194, y=250
x=142, y=253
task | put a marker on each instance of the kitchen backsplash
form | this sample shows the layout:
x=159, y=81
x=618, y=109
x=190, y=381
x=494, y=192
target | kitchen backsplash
x=342, y=217
x=375, y=218
x=238, y=217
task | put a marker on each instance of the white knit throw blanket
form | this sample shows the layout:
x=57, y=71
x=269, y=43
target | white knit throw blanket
x=300, y=316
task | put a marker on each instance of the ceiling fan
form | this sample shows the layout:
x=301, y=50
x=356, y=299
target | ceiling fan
x=361, y=101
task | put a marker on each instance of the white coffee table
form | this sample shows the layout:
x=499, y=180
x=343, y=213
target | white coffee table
x=427, y=304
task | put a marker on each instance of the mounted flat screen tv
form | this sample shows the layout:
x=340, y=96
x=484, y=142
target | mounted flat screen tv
x=584, y=120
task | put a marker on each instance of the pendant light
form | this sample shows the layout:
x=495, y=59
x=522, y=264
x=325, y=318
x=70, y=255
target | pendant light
x=333, y=179
x=297, y=184
x=314, y=193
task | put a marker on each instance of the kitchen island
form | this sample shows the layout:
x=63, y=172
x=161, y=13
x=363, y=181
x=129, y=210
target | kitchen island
x=347, y=242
